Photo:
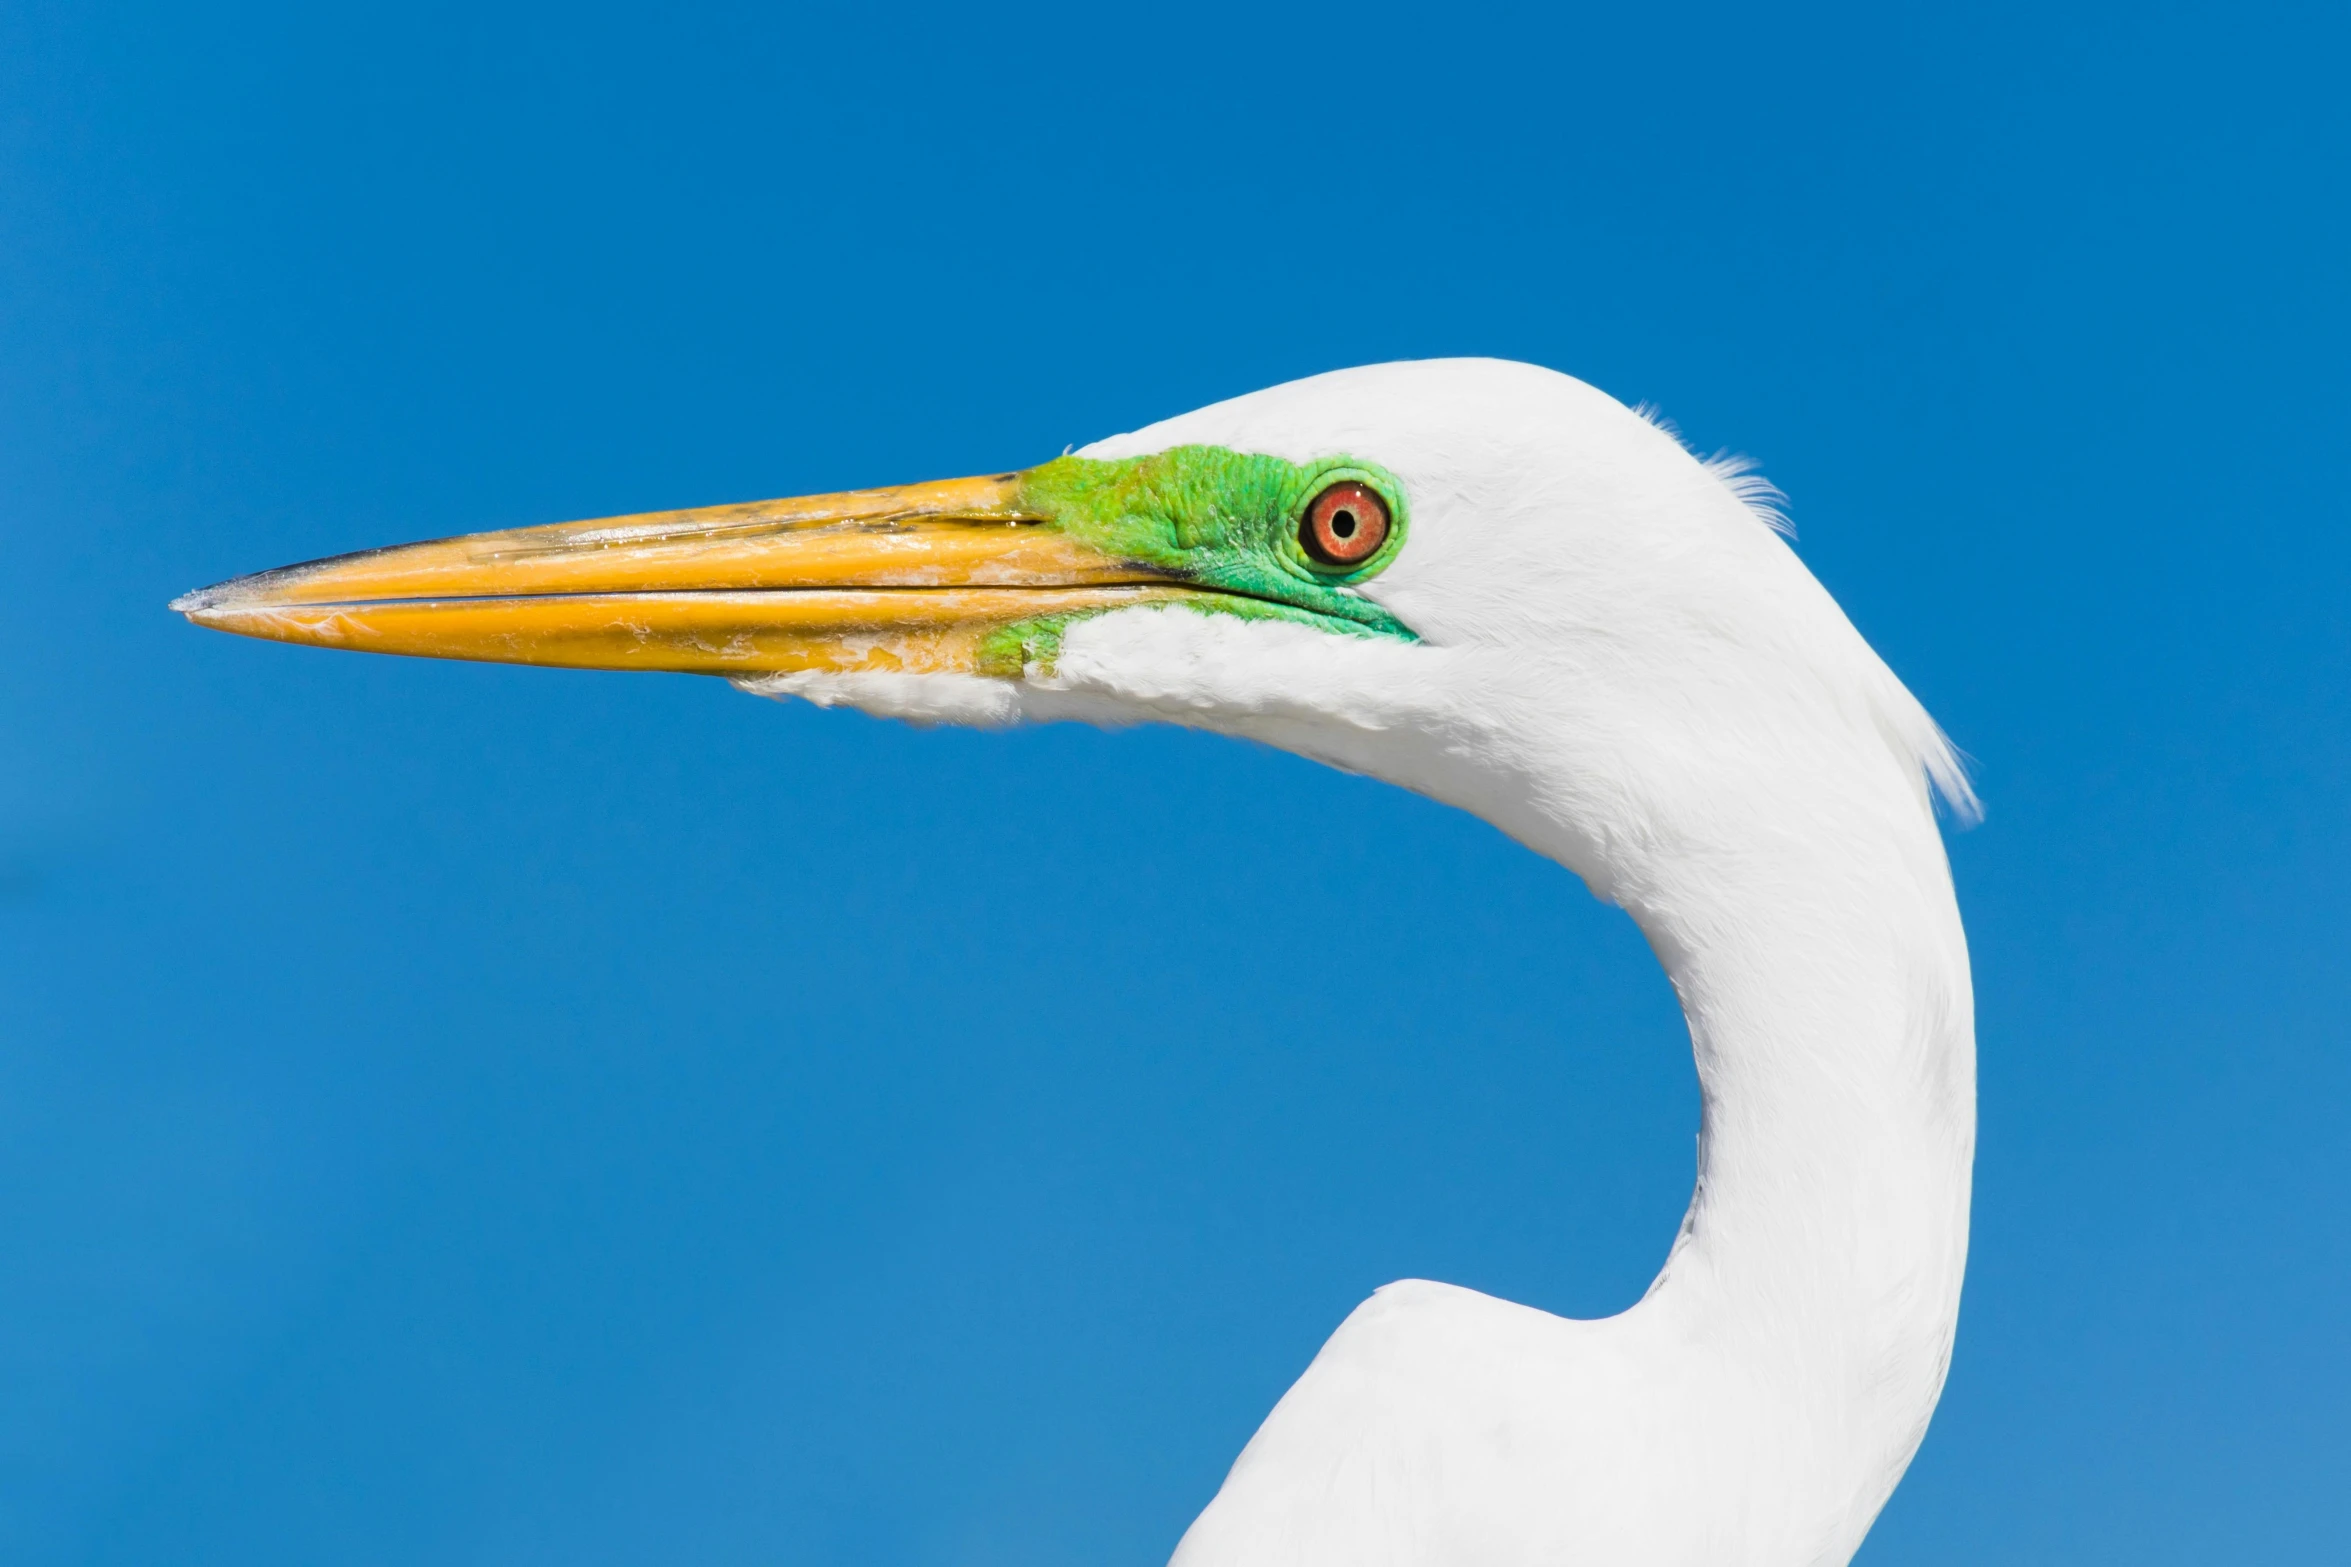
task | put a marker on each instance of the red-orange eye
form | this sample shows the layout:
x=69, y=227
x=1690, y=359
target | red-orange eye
x=1345, y=525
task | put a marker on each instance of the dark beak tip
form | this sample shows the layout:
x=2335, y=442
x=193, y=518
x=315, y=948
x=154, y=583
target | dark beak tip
x=236, y=593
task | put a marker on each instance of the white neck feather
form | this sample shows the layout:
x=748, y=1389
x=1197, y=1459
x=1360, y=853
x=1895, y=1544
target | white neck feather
x=1818, y=1273
x=1759, y=1404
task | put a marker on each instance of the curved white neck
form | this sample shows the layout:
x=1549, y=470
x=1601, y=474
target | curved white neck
x=1760, y=1402
x=1824, y=977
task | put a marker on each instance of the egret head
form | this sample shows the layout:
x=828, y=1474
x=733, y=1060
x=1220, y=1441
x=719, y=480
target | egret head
x=1482, y=580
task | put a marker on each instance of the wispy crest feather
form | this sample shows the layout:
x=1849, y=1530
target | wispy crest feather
x=1902, y=718
x=1733, y=471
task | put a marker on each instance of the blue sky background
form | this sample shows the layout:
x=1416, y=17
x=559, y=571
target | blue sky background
x=476, y=1115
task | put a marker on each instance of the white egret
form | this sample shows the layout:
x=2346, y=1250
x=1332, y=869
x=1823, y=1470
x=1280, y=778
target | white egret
x=1497, y=586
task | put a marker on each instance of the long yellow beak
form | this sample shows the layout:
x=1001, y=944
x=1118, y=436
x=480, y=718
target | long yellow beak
x=921, y=578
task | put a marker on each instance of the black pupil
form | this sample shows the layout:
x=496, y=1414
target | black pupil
x=1343, y=524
